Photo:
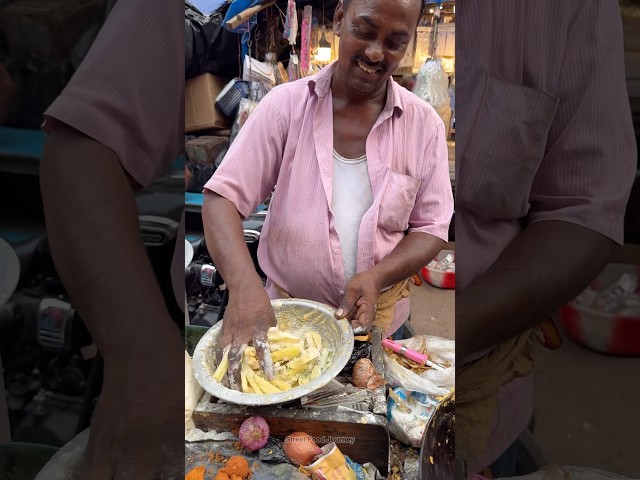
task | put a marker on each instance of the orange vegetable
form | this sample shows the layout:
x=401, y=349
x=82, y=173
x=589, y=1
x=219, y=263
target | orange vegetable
x=236, y=468
x=196, y=473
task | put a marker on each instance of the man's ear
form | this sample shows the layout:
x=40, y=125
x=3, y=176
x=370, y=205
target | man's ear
x=338, y=16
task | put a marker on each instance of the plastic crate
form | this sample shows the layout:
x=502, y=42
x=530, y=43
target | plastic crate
x=229, y=99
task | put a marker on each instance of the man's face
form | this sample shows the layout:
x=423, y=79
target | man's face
x=374, y=35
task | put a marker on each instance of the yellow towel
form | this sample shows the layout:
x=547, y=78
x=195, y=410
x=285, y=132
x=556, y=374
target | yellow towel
x=385, y=307
x=477, y=385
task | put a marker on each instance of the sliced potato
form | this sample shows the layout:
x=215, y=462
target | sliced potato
x=243, y=378
x=313, y=339
x=286, y=353
x=265, y=385
x=304, y=358
x=221, y=370
x=251, y=379
x=277, y=337
x=282, y=384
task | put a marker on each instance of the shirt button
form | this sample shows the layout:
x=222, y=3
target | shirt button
x=335, y=251
x=341, y=292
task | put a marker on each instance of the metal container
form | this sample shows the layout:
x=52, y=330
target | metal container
x=294, y=315
x=437, y=448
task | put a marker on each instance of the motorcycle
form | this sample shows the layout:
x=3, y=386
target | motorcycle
x=52, y=369
x=207, y=296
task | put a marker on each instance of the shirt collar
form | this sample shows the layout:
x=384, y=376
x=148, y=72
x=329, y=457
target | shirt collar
x=321, y=83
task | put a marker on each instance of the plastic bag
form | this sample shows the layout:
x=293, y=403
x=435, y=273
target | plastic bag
x=244, y=110
x=209, y=48
x=192, y=392
x=431, y=382
x=432, y=84
x=408, y=414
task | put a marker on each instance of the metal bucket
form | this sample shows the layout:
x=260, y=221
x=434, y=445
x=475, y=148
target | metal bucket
x=437, y=448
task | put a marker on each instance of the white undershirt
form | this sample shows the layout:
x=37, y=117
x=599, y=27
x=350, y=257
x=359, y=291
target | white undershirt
x=352, y=197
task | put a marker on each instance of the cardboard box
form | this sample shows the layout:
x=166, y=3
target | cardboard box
x=47, y=28
x=205, y=149
x=200, y=112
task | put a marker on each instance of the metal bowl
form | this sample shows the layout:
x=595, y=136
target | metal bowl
x=294, y=315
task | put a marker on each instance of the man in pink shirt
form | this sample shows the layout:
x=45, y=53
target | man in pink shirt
x=114, y=130
x=362, y=193
x=545, y=161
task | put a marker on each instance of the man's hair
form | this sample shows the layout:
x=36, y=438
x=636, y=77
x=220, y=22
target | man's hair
x=345, y=6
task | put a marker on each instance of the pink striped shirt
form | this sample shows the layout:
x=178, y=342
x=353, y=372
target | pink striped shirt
x=288, y=140
x=544, y=132
x=128, y=94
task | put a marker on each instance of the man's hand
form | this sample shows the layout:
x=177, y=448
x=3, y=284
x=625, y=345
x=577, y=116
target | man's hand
x=359, y=301
x=361, y=295
x=249, y=313
x=118, y=297
x=246, y=321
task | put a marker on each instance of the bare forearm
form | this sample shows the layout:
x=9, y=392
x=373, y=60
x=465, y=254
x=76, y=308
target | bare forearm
x=225, y=241
x=412, y=253
x=547, y=265
x=93, y=230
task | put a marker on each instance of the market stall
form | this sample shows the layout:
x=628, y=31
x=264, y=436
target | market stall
x=287, y=40
x=369, y=428
x=356, y=408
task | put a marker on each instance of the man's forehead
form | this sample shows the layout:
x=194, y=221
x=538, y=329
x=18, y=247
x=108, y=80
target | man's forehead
x=375, y=24
x=365, y=10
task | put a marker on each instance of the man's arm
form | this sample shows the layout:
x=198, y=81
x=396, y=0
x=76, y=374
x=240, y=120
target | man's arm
x=544, y=267
x=249, y=313
x=578, y=196
x=413, y=252
x=95, y=240
x=93, y=229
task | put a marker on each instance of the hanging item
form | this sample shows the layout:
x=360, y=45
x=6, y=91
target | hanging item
x=432, y=82
x=241, y=18
x=256, y=71
x=305, y=40
x=279, y=72
x=293, y=70
x=291, y=23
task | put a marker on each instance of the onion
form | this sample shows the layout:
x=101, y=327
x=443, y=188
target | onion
x=254, y=433
x=364, y=375
x=300, y=448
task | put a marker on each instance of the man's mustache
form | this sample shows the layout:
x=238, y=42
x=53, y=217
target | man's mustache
x=360, y=58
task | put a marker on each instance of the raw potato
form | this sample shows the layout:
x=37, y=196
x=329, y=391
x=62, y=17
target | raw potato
x=297, y=360
x=221, y=371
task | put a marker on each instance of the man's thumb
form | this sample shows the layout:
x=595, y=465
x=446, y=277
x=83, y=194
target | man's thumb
x=345, y=307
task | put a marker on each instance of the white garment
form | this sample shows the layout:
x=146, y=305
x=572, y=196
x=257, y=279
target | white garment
x=352, y=197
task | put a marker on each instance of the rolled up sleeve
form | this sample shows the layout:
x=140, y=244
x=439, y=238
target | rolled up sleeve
x=250, y=168
x=591, y=160
x=434, y=201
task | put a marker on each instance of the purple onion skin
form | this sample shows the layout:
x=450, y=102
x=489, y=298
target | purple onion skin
x=254, y=433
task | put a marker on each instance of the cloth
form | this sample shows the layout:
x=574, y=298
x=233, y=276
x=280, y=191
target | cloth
x=288, y=139
x=478, y=383
x=387, y=306
x=138, y=115
x=352, y=197
x=543, y=132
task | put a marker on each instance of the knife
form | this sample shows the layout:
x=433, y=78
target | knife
x=411, y=354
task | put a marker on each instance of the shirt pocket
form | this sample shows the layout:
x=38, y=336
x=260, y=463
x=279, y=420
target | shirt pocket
x=397, y=202
x=505, y=147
